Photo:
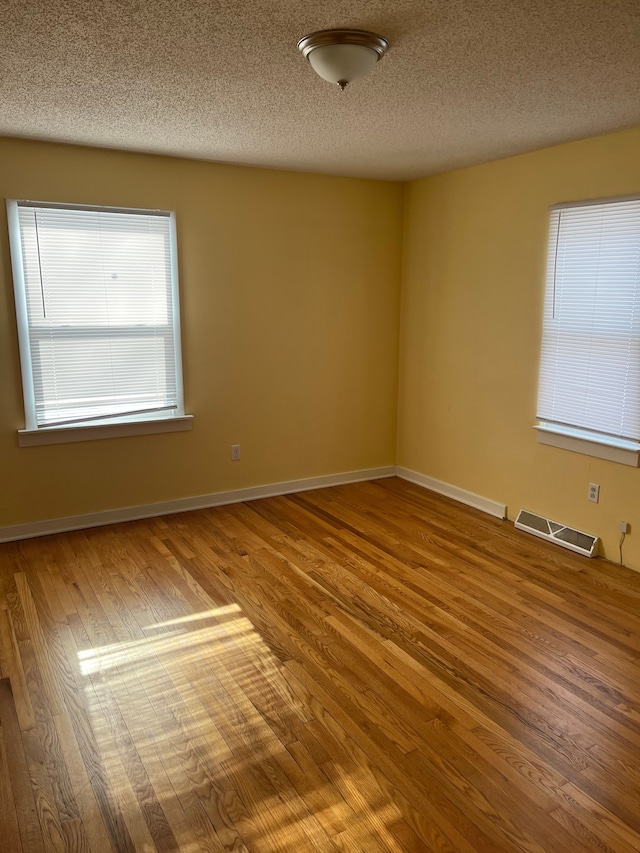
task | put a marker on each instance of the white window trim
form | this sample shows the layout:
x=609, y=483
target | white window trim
x=590, y=444
x=575, y=439
x=148, y=424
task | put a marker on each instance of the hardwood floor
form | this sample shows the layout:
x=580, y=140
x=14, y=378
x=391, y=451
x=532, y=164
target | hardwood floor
x=362, y=668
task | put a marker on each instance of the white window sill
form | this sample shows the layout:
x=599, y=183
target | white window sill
x=582, y=441
x=92, y=432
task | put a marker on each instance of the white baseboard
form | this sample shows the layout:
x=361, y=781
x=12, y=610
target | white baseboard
x=132, y=513
x=113, y=516
x=462, y=495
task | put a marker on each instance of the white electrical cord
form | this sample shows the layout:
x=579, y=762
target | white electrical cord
x=620, y=547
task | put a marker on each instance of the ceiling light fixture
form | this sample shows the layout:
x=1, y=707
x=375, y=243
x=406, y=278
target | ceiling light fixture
x=340, y=56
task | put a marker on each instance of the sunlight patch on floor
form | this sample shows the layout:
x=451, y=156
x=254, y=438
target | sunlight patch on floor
x=194, y=715
x=176, y=714
x=215, y=613
x=184, y=642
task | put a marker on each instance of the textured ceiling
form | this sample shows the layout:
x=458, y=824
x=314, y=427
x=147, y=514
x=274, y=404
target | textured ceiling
x=464, y=81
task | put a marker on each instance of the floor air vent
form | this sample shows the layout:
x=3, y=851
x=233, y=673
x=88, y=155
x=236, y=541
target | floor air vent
x=583, y=543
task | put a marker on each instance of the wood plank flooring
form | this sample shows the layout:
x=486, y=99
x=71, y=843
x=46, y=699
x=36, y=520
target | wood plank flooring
x=362, y=668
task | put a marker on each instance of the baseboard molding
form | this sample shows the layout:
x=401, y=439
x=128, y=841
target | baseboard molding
x=462, y=495
x=133, y=513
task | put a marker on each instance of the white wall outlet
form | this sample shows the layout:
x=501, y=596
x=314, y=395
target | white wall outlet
x=624, y=526
x=594, y=492
x=235, y=452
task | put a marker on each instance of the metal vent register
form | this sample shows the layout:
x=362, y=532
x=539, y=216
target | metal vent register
x=552, y=531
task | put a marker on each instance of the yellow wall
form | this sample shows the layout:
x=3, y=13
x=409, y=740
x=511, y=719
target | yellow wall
x=290, y=289
x=290, y=300
x=474, y=255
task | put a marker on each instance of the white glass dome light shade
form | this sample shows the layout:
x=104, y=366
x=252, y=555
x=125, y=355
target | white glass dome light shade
x=342, y=63
x=340, y=56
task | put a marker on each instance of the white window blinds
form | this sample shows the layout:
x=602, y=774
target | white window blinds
x=96, y=293
x=590, y=360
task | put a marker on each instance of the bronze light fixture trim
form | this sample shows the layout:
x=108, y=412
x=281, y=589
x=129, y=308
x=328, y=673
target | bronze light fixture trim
x=341, y=56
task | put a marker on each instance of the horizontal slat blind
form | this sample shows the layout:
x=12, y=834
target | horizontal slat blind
x=590, y=360
x=99, y=306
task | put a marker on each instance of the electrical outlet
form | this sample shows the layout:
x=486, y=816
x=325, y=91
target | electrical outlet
x=594, y=492
x=624, y=526
x=235, y=452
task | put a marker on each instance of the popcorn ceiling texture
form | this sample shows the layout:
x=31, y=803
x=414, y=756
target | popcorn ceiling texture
x=465, y=81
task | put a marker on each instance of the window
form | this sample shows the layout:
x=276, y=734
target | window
x=98, y=320
x=590, y=361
